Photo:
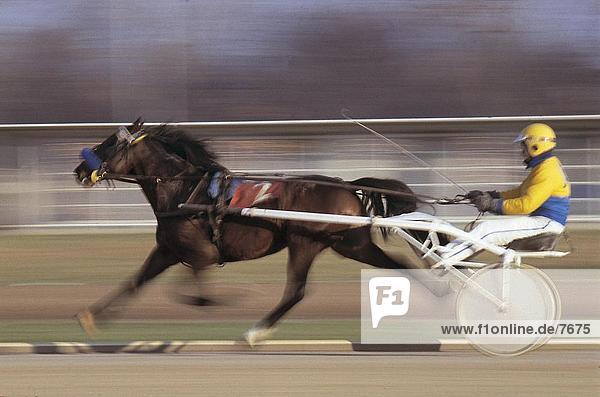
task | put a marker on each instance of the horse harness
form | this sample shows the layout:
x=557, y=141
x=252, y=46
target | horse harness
x=216, y=212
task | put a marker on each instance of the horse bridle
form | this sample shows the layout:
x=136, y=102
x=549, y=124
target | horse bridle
x=124, y=141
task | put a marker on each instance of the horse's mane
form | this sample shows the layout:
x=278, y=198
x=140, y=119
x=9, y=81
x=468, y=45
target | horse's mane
x=179, y=142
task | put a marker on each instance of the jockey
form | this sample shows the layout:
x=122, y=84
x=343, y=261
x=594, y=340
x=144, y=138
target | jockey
x=543, y=197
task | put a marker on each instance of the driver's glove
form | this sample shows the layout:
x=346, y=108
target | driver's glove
x=473, y=193
x=486, y=202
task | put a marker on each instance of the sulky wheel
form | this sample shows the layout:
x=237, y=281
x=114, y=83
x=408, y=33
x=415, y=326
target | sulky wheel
x=532, y=299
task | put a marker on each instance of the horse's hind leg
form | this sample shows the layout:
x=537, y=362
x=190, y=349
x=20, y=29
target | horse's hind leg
x=302, y=252
x=159, y=259
x=357, y=245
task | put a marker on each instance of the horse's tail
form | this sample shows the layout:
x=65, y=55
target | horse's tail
x=380, y=204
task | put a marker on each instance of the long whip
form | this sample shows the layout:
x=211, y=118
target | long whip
x=401, y=149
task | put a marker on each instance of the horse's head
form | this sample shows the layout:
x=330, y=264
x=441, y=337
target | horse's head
x=110, y=155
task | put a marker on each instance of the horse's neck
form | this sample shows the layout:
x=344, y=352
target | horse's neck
x=163, y=193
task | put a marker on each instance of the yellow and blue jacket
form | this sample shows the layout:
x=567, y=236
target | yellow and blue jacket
x=545, y=191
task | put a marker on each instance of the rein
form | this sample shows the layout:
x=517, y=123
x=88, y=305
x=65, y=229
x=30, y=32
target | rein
x=124, y=136
x=131, y=178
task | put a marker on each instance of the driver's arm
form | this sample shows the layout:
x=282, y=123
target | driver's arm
x=537, y=191
x=511, y=194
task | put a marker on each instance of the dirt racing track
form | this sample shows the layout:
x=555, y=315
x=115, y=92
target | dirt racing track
x=279, y=367
x=330, y=367
x=255, y=374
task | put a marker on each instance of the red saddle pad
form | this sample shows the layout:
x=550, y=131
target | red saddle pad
x=250, y=194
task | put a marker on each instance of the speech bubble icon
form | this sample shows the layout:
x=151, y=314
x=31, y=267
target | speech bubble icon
x=389, y=296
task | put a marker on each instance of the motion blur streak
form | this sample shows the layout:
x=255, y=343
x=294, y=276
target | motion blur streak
x=39, y=189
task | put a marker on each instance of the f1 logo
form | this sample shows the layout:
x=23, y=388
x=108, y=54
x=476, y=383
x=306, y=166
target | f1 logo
x=389, y=296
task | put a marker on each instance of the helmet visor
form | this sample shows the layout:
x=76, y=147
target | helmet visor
x=520, y=138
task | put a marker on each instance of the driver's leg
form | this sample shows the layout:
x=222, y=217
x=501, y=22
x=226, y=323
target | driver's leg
x=501, y=232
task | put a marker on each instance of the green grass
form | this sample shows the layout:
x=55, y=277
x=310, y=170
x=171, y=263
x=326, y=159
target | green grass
x=71, y=258
x=69, y=331
x=101, y=258
x=111, y=258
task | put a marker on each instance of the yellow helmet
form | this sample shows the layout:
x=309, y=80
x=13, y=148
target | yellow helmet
x=538, y=138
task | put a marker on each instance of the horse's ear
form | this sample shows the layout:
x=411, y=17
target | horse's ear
x=137, y=125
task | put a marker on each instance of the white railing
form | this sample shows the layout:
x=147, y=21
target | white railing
x=36, y=186
x=308, y=123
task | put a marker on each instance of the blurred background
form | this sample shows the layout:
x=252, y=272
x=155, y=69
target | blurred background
x=63, y=246
x=179, y=60
x=39, y=189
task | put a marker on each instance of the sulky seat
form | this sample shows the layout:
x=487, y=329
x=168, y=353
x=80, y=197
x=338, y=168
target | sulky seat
x=541, y=242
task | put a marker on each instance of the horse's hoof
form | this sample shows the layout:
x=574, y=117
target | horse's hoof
x=195, y=301
x=87, y=322
x=257, y=334
x=200, y=301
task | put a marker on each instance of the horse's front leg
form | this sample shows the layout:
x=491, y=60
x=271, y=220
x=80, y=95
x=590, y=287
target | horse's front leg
x=196, y=300
x=302, y=252
x=160, y=258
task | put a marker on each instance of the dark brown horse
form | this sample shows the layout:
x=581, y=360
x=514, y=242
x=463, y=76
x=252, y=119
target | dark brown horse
x=168, y=165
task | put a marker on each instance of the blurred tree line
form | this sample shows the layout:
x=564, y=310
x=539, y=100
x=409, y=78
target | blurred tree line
x=176, y=60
